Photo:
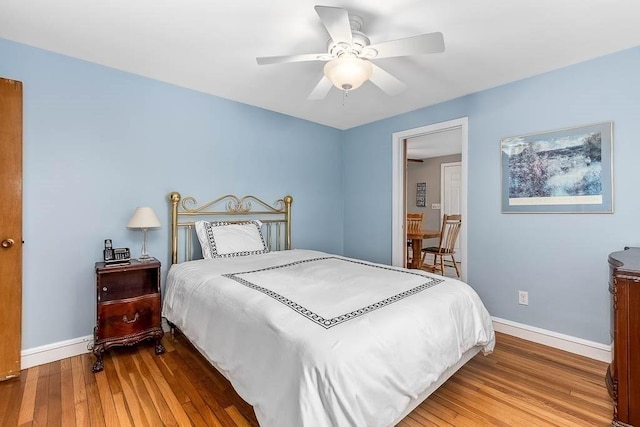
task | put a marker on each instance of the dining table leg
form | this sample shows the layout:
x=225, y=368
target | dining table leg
x=416, y=248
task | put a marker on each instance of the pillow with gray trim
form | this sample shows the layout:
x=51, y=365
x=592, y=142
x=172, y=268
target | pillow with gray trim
x=225, y=239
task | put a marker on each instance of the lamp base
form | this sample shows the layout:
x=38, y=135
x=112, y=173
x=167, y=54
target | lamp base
x=144, y=256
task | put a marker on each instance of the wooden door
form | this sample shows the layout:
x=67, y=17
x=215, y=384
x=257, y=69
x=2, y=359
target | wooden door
x=10, y=227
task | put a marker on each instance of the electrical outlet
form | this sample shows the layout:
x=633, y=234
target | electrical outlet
x=435, y=206
x=523, y=297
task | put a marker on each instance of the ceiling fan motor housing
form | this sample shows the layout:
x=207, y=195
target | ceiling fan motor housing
x=358, y=47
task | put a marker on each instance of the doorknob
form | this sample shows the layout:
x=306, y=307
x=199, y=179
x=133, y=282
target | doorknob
x=7, y=243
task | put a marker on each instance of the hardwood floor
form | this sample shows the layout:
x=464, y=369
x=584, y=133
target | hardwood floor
x=520, y=384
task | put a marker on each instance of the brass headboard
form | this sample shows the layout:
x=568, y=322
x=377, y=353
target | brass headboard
x=185, y=212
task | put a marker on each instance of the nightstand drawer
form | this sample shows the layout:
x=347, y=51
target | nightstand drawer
x=127, y=317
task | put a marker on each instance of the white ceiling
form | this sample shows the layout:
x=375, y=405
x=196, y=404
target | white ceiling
x=211, y=46
x=435, y=144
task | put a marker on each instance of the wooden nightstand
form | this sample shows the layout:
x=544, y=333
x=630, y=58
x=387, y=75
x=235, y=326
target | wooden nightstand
x=128, y=306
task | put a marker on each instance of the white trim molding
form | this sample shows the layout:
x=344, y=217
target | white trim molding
x=62, y=350
x=76, y=346
x=55, y=351
x=582, y=347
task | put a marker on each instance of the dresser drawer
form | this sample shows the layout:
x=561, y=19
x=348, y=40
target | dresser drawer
x=118, y=319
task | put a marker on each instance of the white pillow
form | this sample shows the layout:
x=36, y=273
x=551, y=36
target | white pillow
x=225, y=239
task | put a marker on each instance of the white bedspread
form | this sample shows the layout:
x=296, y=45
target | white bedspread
x=312, y=339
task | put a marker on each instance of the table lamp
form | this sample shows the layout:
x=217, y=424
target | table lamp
x=144, y=218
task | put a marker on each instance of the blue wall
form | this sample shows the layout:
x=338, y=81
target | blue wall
x=561, y=260
x=99, y=142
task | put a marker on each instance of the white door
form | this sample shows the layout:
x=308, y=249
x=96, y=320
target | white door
x=451, y=191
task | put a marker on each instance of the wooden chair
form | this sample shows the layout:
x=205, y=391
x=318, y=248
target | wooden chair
x=446, y=247
x=414, y=223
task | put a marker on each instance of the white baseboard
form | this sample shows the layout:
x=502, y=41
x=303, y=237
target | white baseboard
x=590, y=349
x=61, y=350
x=54, y=351
x=73, y=347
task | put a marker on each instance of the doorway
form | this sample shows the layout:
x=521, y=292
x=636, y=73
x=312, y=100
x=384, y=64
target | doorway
x=399, y=198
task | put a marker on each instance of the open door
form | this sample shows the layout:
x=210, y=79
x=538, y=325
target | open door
x=399, y=187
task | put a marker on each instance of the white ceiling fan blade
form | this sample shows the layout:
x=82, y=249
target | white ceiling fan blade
x=336, y=21
x=265, y=60
x=385, y=81
x=426, y=43
x=321, y=90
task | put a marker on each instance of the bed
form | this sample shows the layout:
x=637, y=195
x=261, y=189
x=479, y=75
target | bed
x=310, y=338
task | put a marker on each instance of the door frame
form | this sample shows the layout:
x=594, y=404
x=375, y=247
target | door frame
x=398, y=184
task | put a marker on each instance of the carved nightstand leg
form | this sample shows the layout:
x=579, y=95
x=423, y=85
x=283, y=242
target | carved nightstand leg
x=159, y=347
x=99, y=364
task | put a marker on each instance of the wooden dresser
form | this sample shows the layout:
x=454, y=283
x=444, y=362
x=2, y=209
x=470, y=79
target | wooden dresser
x=623, y=375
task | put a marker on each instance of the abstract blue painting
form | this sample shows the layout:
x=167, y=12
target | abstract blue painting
x=563, y=171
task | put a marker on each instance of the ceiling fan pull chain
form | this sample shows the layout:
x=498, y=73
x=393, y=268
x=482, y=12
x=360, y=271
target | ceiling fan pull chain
x=345, y=95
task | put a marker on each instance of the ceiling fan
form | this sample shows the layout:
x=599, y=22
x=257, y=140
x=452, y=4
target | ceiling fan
x=349, y=54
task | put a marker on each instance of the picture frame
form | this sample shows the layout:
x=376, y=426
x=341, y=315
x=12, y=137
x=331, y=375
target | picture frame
x=421, y=194
x=568, y=170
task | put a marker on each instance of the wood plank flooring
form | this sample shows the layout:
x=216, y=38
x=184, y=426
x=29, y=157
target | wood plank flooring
x=520, y=384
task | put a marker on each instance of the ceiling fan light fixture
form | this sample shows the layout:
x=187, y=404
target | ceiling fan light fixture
x=348, y=72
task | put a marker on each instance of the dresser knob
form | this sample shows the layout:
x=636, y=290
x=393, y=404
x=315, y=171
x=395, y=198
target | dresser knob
x=104, y=289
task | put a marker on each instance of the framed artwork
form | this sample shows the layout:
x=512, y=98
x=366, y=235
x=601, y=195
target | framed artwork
x=562, y=171
x=421, y=194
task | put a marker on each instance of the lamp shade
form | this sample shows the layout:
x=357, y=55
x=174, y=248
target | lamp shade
x=144, y=218
x=348, y=72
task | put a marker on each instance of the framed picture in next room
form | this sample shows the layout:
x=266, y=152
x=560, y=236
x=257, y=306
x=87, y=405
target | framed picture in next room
x=421, y=194
x=562, y=171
